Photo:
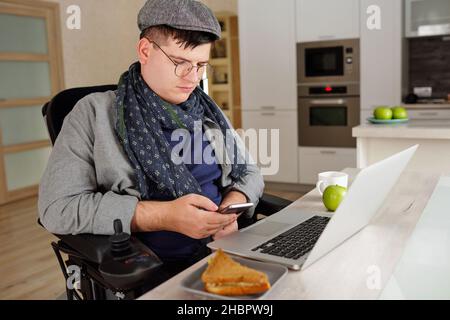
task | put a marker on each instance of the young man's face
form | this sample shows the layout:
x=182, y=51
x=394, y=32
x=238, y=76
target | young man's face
x=159, y=71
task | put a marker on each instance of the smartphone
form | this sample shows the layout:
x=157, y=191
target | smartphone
x=237, y=208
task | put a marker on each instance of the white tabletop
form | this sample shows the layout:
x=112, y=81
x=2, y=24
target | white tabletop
x=424, y=268
x=361, y=266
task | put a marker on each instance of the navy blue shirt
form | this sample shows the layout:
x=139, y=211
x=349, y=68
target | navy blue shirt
x=172, y=245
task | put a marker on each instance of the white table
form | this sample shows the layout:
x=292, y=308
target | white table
x=361, y=266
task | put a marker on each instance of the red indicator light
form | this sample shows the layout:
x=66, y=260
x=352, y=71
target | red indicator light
x=328, y=89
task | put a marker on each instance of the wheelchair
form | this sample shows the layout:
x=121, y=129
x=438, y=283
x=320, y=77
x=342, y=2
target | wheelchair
x=88, y=256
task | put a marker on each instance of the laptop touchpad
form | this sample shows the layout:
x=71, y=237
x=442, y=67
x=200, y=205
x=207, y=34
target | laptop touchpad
x=267, y=228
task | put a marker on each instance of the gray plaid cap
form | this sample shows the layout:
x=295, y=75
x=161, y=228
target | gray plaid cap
x=180, y=14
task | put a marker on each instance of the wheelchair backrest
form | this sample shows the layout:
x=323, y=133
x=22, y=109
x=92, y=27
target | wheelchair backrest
x=56, y=109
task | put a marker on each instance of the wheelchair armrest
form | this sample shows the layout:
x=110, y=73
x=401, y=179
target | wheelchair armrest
x=94, y=248
x=270, y=204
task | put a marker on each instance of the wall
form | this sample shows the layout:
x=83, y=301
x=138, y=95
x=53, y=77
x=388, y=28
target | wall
x=105, y=45
x=222, y=5
x=429, y=64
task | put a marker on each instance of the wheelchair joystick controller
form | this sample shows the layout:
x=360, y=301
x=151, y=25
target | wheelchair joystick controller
x=120, y=242
x=131, y=263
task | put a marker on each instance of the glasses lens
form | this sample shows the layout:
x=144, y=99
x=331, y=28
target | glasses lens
x=183, y=69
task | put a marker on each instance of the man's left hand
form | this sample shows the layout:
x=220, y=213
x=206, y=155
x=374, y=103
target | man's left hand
x=231, y=197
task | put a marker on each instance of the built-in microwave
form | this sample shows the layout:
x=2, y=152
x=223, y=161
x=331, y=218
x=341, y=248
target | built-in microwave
x=328, y=61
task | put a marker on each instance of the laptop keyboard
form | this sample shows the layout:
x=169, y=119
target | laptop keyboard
x=297, y=241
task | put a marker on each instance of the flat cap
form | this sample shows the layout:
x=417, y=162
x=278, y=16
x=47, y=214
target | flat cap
x=181, y=14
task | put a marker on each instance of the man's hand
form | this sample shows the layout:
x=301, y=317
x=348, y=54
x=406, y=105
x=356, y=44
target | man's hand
x=231, y=197
x=192, y=215
x=232, y=227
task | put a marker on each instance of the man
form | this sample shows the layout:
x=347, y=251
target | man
x=114, y=158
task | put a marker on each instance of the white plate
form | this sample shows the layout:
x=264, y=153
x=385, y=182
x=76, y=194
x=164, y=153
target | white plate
x=193, y=283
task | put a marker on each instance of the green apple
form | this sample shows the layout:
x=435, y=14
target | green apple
x=399, y=113
x=382, y=113
x=332, y=196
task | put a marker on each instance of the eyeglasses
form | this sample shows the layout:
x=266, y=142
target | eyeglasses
x=182, y=69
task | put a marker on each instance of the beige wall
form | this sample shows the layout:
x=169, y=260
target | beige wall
x=105, y=45
x=222, y=5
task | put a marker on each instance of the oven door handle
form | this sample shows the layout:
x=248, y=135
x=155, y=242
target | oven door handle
x=327, y=102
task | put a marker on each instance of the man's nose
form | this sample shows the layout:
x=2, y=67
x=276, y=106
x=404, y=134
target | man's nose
x=193, y=75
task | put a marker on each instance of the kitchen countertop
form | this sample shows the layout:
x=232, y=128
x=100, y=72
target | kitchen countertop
x=413, y=129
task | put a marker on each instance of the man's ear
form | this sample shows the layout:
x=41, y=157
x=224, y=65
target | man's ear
x=143, y=50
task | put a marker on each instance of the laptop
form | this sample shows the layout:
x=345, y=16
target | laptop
x=297, y=238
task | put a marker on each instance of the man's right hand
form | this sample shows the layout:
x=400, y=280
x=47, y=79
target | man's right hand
x=192, y=215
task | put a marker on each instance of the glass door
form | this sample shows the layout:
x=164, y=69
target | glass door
x=30, y=74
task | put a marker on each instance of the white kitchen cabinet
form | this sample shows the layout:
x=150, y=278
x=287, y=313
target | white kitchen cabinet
x=318, y=20
x=267, y=54
x=375, y=143
x=313, y=160
x=427, y=18
x=382, y=56
x=287, y=155
x=429, y=114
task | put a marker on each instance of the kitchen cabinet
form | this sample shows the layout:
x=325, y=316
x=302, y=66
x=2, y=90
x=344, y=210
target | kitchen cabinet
x=313, y=160
x=427, y=18
x=267, y=54
x=284, y=150
x=319, y=20
x=382, y=55
x=375, y=143
x=429, y=114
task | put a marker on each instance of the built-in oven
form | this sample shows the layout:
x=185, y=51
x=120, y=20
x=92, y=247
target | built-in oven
x=328, y=61
x=327, y=114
